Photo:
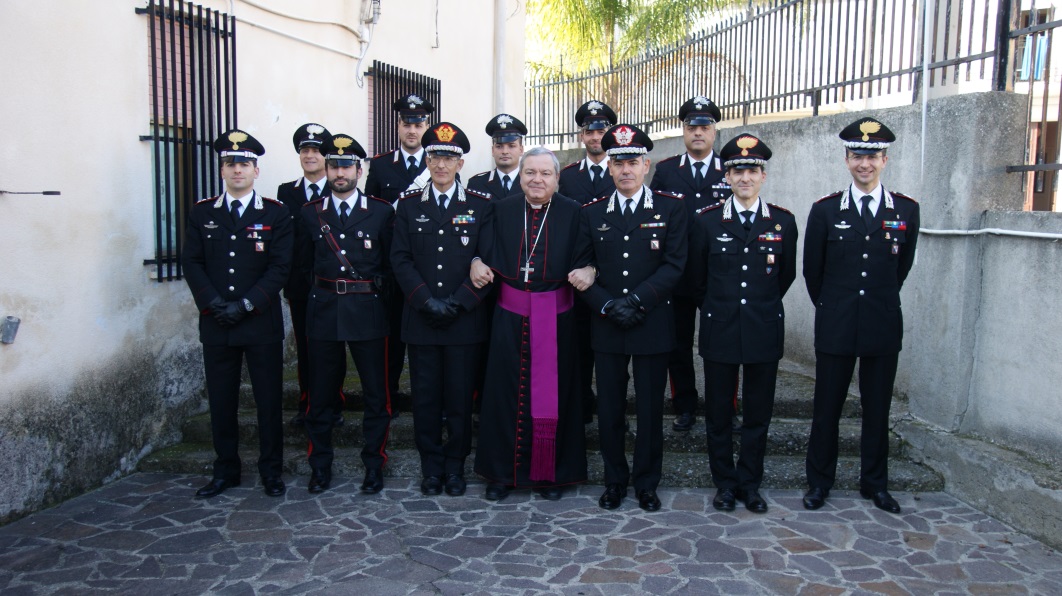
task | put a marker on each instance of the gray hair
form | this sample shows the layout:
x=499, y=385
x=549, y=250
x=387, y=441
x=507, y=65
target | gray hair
x=534, y=151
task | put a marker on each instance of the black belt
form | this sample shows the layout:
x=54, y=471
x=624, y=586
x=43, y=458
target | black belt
x=347, y=286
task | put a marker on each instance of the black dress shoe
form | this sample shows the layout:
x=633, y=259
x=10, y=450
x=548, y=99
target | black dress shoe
x=455, y=485
x=683, y=422
x=815, y=498
x=613, y=496
x=551, y=493
x=373, y=482
x=754, y=502
x=215, y=487
x=273, y=486
x=320, y=480
x=496, y=492
x=431, y=486
x=882, y=500
x=724, y=499
x=648, y=500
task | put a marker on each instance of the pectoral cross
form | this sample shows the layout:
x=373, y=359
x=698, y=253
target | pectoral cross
x=528, y=270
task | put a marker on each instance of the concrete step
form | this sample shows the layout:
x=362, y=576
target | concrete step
x=787, y=436
x=794, y=394
x=680, y=469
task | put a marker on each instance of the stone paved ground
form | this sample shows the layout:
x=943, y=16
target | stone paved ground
x=146, y=535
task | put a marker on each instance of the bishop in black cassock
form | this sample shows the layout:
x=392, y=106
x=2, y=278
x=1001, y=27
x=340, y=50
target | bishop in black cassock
x=524, y=440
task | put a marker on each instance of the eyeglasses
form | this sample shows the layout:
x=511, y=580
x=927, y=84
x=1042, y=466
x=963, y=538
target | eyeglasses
x=443, y=159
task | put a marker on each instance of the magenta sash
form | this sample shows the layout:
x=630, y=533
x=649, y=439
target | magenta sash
x=541, y=309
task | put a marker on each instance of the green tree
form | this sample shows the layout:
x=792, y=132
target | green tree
x=578, y=35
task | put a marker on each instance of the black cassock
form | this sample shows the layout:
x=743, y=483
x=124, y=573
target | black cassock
x=503, y=451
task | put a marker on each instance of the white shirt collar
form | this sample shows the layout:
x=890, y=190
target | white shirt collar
x=876, y=192
x=707, y=159
x=603, y=164
x=754, y=208
x=449, y=192
x=351, y=201
x=635, y=200
x=245, y=200
x=320, y=186
x=405, y=155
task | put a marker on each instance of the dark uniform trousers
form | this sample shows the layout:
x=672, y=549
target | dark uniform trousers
x=575, y=183
x=248, y=259
x=642, y=255
x=854, y=272
x=743, y=274
x=328, y=362
x=296, y=291
x=387, y=179
x=433, y=401
x=342, y=316
x=675, y=174
x=431, y=258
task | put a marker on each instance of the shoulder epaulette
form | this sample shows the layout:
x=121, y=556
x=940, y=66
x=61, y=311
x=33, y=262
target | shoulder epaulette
x=213, y=198
x=708, y=208
x=668, y=193
x=672, y=158
x=830, y=196
x=410, y=193
x=571, y=165
x=595, y=201
x=384, y=153
x=477, y=193
x=902, y=196
x=274, y=201
x=480, y=174
x=780, y=208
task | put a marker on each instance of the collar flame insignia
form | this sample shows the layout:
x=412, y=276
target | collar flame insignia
x=624, y=135
x=342, y=143
x=314, y=129
x=868, y=128
x=747, y=143
x=237, y=137
x=445, y=133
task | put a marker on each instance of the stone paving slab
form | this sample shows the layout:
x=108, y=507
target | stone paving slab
x=145, y=535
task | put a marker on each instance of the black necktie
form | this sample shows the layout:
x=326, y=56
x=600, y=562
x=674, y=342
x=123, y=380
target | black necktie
x=506, y=181
x=747, y=214
x=234, y=210
x=412, y=167
x=628, y=208
x=442, y=203
x=315, y=190
x=343, y=209
x=698, y=175
x=868, y=217
x=596, y=172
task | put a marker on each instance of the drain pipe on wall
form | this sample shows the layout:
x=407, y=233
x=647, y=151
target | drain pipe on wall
x=499, y=56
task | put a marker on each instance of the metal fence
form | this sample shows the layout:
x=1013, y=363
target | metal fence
x=784, y=56
x=387, y=84
x=193, y=98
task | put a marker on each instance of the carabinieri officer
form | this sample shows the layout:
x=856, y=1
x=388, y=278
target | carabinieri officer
x=236, y=259
x=858, y=249
x=351, y=235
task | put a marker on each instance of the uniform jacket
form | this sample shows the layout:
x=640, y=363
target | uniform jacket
x=388, y=176
x=248, y=259
x=854, y=274
x=490, y=183
x=431, y=257
x=293, y=194
x=575, y=183
x=742, y=277
x=645, y=257
x=675, y=174
x=366, y=243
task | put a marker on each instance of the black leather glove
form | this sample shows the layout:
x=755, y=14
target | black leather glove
x=232, y=313
x=625, y=313
x=216, y=308
x=440, y=315
x=639, y=312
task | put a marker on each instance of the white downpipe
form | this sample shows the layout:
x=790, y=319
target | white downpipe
x=991, y=232
x=499, y=56
x=925, y=80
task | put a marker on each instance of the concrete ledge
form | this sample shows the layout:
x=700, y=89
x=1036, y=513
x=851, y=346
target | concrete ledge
x=1007, y=485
